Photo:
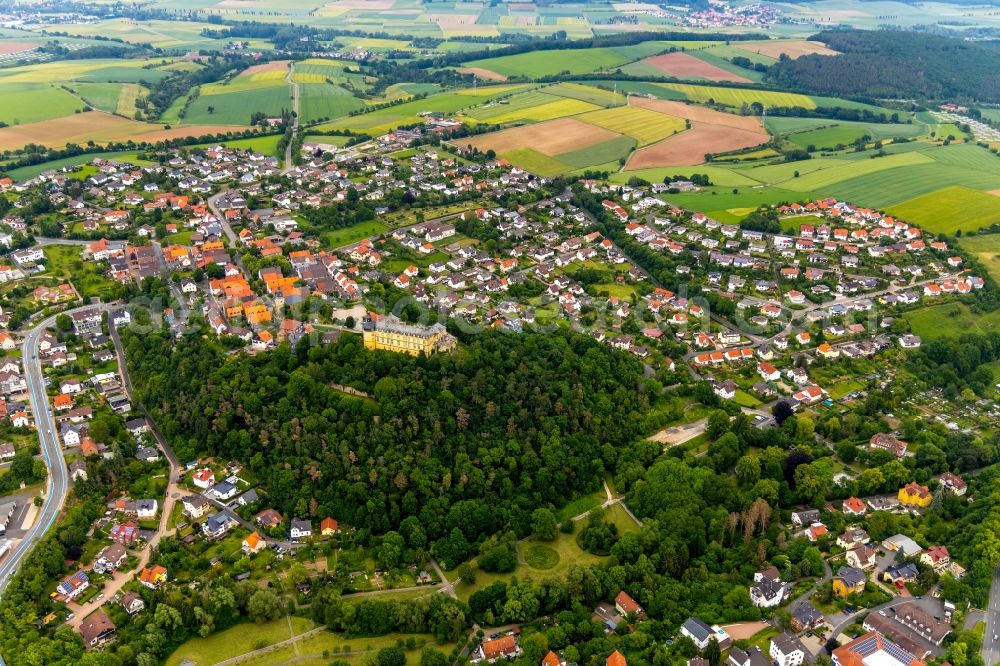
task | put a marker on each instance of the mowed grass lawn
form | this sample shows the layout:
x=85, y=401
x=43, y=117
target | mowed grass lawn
x=643, y=125
x=354, y=233
x=949, y=209
x=951, y=318
x=237, y=640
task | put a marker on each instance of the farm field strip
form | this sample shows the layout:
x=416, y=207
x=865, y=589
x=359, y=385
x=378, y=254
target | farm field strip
x=643, y=125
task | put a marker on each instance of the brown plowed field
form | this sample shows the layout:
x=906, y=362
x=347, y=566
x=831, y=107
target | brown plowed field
x=698, y=113
x=687, y=66
x=99, y=127
x=483, y=73
x=690, y=147
x=551, y=137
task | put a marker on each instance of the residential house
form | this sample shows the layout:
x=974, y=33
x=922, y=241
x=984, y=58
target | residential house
x=898, y=574
x=914, y=494
x=195, y=506
x=805, y=517
x=217, y=525
x=132, y=603
x=805, y=616
x=787, y=650
x=616, y=658
x=124, y=533
x=73, y=585
x=253, y=544
x=953, y=483
x=852, y=506
x=110, y=558
x=848, y=581
x=625, y=604
x=97, y=629
x=154, y=576
x=936, y=557
x=873, y=649
x=751, y=657
x=301, y=529
x=767, y=593
x=862, y=556
x=328, y=527
x=700, y=633
x=268, y=518
x=204, y=478
x=504, y=647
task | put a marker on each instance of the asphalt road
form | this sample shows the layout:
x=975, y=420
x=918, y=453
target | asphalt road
x=58, y=482
x=991, y=648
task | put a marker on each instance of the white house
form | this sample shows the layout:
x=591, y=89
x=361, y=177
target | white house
x=787, y=650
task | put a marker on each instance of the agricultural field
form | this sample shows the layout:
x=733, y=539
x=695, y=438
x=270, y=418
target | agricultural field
x=534, y=105
x=827, y=134
x=321, y=101
x=171, y=35
x=383, y=120
x=986, y=249
x=737, y=97
x=950, y=209
x=216, y=104
x=33, y=102
x=590, y=94
x=101, y=96
x=682, y=65
x=644, y=125
x=558, y=61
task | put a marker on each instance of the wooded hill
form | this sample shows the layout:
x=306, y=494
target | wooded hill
x=896, y=65
x=476, y=439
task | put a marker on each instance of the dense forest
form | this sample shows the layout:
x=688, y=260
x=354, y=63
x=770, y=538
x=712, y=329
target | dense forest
x=473, y=440
x=895, y=64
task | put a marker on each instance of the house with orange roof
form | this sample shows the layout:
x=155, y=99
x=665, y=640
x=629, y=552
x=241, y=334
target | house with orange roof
x=914, y=494
x=328, y=527
x=552, y=659
x=153, y=577
x=616, y=658
x=253, y=544
x=62, y=402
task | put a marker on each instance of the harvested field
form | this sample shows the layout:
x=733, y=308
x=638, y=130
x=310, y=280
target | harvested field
x=698, y=113
x=690, y=147
x=549, y=138
x=686, y=66
x=793, y=48
x=99, y=126
x=273, y=66
x=15, y=46
x=483, y=73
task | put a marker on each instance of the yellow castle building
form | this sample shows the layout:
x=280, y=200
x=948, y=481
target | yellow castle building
x=392, y=334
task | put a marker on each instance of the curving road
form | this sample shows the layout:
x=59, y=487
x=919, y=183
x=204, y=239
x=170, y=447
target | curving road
x=59, y=481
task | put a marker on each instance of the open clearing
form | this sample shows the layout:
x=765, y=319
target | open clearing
x=690, y=147
x=793, y=48
x=551, y=138
x=685, y=66
x=31, y=102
